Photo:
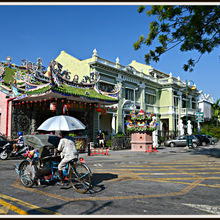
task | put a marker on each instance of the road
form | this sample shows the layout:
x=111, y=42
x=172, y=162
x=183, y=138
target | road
x=172, y=181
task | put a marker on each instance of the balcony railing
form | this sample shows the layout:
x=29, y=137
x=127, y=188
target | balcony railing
x=190, y=111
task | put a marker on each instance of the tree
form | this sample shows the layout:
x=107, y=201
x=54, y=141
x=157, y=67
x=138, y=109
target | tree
x=190, y=27
x=216, y=110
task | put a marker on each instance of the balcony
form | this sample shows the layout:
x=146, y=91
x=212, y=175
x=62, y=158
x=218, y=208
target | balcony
x=191, y=111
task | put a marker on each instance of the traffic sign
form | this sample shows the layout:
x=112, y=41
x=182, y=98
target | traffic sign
x=200, y=116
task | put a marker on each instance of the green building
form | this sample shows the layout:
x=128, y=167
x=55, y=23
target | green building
x=141, y=87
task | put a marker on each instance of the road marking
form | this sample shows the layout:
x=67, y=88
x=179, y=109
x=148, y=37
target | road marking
x=182, y=192
x=3, y=209
x=182, y=165
x=184, y=173
x=206, y=208
x=12, y=207
x=20, y=202
x=171, y=168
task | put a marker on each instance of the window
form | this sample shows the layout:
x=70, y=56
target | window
x=150, y=99
x=175, y=101
x=193, y=103
x=129, y=94
x=105, y=87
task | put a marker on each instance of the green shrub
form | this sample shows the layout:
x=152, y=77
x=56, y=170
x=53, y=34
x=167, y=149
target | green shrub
x=109, y=143
x=211, y=130
x=120, y=134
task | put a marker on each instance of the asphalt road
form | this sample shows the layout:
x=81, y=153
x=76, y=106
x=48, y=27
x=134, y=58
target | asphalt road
x=172, y=181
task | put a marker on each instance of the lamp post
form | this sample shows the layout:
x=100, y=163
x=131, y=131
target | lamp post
x=188, y=141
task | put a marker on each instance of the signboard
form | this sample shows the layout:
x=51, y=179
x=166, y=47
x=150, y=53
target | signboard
x=200, y=116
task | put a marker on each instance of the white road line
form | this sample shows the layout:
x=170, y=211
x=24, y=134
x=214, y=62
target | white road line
x=206, y=208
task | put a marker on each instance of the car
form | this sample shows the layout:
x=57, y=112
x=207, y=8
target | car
x=181, y=141
x=203, y=140
x=212, y=139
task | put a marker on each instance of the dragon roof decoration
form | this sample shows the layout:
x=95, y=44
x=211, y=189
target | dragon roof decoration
x=29, y=79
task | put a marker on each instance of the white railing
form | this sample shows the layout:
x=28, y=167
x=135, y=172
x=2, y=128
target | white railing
x=190, y=111
x=106, y=62
x=163, y=81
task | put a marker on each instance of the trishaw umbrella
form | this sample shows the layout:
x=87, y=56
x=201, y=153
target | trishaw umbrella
x=62, y=123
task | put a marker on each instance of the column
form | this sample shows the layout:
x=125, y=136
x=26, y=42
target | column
x=33, y=122
x=113, y=123
x=142, y=97
x=95, y=124
x=119, y=118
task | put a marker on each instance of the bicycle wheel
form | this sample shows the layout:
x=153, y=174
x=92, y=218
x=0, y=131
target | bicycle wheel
x=80, y=177
x=27, y=173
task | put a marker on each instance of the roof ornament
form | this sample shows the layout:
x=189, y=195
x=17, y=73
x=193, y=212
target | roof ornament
x=95, y=53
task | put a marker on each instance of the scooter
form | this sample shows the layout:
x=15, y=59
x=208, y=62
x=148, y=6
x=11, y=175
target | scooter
x=7, y=151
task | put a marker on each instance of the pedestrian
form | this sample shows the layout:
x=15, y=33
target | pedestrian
x=101, y=138
x=67, y=147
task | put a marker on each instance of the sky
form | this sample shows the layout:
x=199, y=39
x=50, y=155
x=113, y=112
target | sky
x=33, y=31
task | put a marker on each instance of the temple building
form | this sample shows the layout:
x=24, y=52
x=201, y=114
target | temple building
x=99, y=92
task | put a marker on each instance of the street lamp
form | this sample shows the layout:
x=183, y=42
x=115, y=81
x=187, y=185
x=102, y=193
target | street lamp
x=188, y=141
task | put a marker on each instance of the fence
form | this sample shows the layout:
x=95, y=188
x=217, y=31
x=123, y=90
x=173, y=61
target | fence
x=165, y=135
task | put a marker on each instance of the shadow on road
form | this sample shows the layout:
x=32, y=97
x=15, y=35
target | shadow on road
x=100, y=177
x=92, y=207
x=212, y=152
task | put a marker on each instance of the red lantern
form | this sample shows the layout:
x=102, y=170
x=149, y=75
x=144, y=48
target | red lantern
x=102, y=110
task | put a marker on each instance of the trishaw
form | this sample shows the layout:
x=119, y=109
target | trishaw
x=41, y=165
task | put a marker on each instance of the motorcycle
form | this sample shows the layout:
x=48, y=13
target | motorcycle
x=7, y=151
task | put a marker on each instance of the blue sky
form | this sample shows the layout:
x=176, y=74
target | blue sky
x=29, y=32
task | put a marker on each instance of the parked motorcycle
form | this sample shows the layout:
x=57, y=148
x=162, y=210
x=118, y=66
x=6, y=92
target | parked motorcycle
x=7, y=151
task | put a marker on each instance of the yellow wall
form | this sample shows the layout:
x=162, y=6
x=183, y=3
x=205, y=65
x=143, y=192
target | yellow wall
x=140, y=67
x=74, y=65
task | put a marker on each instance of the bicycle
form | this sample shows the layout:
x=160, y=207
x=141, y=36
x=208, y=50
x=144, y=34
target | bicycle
x=31, y=171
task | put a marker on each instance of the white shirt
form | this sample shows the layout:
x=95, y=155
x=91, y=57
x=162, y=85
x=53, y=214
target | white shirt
x=68, y=147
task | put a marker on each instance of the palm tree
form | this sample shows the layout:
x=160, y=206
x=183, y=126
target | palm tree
x=216, y=110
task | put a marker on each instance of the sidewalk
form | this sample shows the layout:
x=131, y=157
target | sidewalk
x=213, y=150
